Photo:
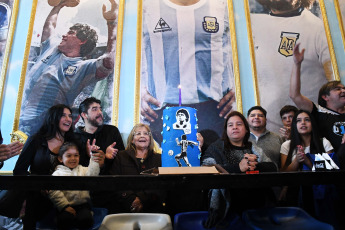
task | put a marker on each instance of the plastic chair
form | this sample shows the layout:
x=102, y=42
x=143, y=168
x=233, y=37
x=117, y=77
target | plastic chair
x=49, y=223
x=195, y=221
x=282, y=218
x=137, y=221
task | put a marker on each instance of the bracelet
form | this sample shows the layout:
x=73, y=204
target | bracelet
x=111, y=22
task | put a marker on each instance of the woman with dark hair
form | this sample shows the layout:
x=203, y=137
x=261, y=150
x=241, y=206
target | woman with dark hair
x=41, y=149
x=236, y=155
x=40, y=154
x=299, y=152
x=234, y=152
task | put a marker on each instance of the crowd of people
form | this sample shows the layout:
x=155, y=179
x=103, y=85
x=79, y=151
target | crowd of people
x=245, y=145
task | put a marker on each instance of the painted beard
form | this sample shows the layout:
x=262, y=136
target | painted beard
x=281, y=5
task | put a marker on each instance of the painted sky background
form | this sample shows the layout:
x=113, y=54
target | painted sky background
x=128, y=59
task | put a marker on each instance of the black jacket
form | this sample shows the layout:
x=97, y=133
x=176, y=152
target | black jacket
x=105, y=136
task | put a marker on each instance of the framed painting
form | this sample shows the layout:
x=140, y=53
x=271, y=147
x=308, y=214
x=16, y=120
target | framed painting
x=73, y=52
x=274, y=29
x=186, y=56
x=340, y=9
x=8, y=17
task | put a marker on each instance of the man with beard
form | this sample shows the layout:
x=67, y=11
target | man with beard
x=275, y=35
x=106, y=137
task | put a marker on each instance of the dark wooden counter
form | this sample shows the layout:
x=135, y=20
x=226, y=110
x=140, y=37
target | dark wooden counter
x=167, y=182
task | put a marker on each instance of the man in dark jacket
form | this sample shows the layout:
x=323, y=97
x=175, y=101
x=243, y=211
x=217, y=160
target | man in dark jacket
x=106, y=137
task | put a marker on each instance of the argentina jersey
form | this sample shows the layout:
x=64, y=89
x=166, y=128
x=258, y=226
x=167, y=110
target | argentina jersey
x=55, y=79
x=188, y=46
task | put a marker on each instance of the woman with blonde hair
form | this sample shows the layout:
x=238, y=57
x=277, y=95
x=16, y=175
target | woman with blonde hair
x=138, y=156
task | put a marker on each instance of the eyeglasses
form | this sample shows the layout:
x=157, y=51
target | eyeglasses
x=142, y=134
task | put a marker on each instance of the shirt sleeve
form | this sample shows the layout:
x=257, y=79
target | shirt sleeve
x=25, y=158
x=327, y=145
x=284, y=149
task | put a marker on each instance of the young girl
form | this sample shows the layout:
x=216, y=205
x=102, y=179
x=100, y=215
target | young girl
x=299, y=152
x=74, y=209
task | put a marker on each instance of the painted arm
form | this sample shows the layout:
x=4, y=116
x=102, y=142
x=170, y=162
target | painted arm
x=177, y=142
x=300, y=100
x=50, y=23
x=109, y=57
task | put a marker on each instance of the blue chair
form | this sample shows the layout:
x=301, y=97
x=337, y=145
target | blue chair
x=49, y=223
x=282, y=218
x=195, y=221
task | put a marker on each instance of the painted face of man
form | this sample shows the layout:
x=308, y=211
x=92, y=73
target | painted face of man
x=281, y=5
x=69, y=42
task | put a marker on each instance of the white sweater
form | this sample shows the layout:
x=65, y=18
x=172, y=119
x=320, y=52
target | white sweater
x=62, y=199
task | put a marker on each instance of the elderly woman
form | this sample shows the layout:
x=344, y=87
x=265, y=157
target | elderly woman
x=236, y=155
x=137, y=157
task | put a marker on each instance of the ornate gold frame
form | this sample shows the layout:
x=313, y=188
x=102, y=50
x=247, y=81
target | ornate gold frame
x=138, y=60
x=252, y=54
x=116, y=71
x=9, y=41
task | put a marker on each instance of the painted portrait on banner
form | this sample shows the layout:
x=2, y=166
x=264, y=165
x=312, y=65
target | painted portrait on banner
x=187, y=44
x=340, y=10
x=71, y=57
x=277, y=26
x=6, y=7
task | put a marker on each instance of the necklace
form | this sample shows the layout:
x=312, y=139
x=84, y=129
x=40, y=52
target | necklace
x=142, y=160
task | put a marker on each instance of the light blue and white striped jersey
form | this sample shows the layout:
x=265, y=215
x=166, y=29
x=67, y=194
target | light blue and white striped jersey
x=55, y=79
x=188, y=46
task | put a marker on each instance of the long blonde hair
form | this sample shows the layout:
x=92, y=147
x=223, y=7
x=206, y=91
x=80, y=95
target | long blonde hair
x=131, y=146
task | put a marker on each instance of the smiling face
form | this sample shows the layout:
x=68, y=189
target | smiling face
x=94, y=115
x=70, y=158
x=303, y=123
x=336, y=97
x=141, y=138
x=65, y=121
x=257, y=120
x=236, y=130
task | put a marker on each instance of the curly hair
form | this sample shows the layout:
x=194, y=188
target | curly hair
x=85, y=33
